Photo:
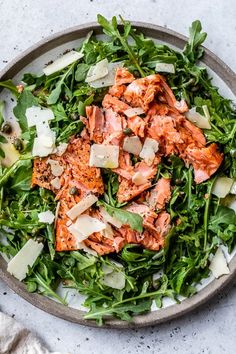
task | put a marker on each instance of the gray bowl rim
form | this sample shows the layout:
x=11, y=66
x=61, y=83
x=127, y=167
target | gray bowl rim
x=155, y=317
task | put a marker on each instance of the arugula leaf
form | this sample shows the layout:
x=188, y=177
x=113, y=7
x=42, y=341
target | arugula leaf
x=8, y=84
x=2, y=106
x=26, y=100
x=192, y=50
x=81, y=72
x=135, y=221
x=22, y=177
x=222, y=216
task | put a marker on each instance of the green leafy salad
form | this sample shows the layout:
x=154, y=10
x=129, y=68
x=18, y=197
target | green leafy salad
x=120, y=182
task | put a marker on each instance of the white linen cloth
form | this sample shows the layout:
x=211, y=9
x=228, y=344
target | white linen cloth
x=16, y=339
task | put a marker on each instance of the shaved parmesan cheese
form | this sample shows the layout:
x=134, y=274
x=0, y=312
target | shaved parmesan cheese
x=165, y=68
x=56, y=183
x=232, y=205
x=97, y=71
x=44, y=145
x=150, y=147
x=109, y=79
x=26, y=257
x=218, y=264
x=132, y=144
x=131, y=112
x=46, y=217
x=233, y=188
x=109, y=268
x=139, y=179
x=196, y=118
x=222, y=186
x=106, y=156
x=61, y=148
x=108, y=232
x=62, y=62
x=115, y=280
x=56, y=168
x=82, y=206
x=36, y=115
x=11, y=154
x=85, y=226
x=111, y=219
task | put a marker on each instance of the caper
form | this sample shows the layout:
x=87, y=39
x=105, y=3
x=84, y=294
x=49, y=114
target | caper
x=7, y=128
x=39, y=239
x=74, y=116
x=178, y=181
x=73, y=190
x=127, y=131
x=18, y=144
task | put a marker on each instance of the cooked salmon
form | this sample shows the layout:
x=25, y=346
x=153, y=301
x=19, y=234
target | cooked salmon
x=162, y=121
x=160, y=194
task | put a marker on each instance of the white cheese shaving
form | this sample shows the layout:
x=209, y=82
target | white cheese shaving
x=131, y=112
x=57, y=212
x=56, y=183
x=36, y=116
x=97, y=71
x=150, y=147
x=85, y=226
x=222, y=186
x=115, y=280
x=233, y=188
x=61, y=149
x=108, y=232
x=46, y=217
x=62, y=62
x=56, y=168
x=165, y=68
x=132, y=144
x=82, y=206
x=105, y=156
x=138, y=178
x=25, y=258
x=111, y=219
x=218, y=264
x=44, y=145
x=109, y=79
x=196, y=118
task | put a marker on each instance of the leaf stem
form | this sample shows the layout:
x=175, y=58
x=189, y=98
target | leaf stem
x=206, y=212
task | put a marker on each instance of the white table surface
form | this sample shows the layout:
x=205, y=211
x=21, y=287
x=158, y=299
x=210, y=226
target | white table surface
x=212, y=328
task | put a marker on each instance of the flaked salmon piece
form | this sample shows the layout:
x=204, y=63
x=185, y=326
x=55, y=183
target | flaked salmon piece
x=117, y=90
x=114, y=126
x=125, y=168
x=114, y=122
x=205, y=161
x=164, y=130
x=163, y=223
x=181, y=106
x=160, y=194
x=128, y=190
x=148, y=172
x=95, y=123
x=123, y=76
x=114, y=103
x=141, y=92
x=137, y=125
x=77, y=159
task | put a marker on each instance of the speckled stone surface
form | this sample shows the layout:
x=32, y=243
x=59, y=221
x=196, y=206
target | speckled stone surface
x=212, y=328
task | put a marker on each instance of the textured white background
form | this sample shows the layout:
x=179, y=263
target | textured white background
x=211, y=329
